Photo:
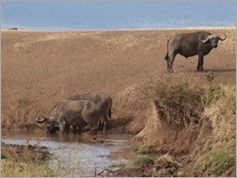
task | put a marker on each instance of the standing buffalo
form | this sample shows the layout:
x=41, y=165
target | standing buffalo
x=191, y=44
x=68, y=113
x=103, y=101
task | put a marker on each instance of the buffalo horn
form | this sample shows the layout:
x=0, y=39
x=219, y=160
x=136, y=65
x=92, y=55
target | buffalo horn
x=40, y=120
x=208, y=38
x=222, y=38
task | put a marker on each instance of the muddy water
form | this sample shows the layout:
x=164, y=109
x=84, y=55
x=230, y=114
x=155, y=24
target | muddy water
x=77, y=155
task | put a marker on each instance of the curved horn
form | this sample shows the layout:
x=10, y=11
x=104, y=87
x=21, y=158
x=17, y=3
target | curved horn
x=40, y=119
x=208, y=38
x=222, y=38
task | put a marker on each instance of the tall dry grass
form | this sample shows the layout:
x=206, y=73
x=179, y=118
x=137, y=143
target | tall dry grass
x=221, y=153
x=12, y=168
x=26, y=161
x=183, y=103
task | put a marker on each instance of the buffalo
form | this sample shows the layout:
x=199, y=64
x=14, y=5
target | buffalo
x=190, y=44
x=66, y=114
x=102, y=100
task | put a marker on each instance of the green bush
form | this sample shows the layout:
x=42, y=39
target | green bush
x=212, y=94
x=210, y=77
x=216, y=162
x=143, y=150
x=3, y=156
x=144, y=161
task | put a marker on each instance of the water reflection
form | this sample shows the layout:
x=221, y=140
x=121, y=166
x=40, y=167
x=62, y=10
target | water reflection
x=76, y=155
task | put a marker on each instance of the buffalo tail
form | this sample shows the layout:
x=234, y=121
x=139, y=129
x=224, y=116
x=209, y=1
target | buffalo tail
x=167, y=56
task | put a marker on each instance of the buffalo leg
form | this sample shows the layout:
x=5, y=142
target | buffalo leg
x=104, y=121
x=170, y=62
x=168, y=65
x=200, y=62
x=109, y=112
x=104, y=126
x=62, y=127
x=66, y=129
x=76, y=129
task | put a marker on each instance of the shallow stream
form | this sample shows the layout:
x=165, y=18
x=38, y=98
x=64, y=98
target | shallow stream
x=77, y=155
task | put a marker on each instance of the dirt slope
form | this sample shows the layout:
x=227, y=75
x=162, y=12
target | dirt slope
x=40, y=68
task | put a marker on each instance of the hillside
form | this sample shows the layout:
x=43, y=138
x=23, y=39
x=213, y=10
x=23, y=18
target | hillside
x=40, y=68
x=183, y=117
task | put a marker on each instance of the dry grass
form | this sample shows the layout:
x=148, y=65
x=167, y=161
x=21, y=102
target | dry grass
x=144, y=161
x=222, y=115
x=26, y=161
x=217, y=161
x=11, y=168
x=220, y=157
x=178, y=101
x=183, y=104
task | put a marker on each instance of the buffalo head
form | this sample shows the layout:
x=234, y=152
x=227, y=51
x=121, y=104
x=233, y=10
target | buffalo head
x=51, y=125
x=213, y=40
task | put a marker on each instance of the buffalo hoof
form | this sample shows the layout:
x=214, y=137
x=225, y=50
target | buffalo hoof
x=200, y=70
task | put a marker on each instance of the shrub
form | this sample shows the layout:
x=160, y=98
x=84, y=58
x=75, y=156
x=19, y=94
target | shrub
x=11, y=168
x=181, y=104
x=143, y=150
x=3, y=156
x=25, y=161
x=178, y=103
x=144, y=161
x=216, y=162
x=212, y=94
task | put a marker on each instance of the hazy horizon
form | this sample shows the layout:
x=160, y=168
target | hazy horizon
x=53, y=15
